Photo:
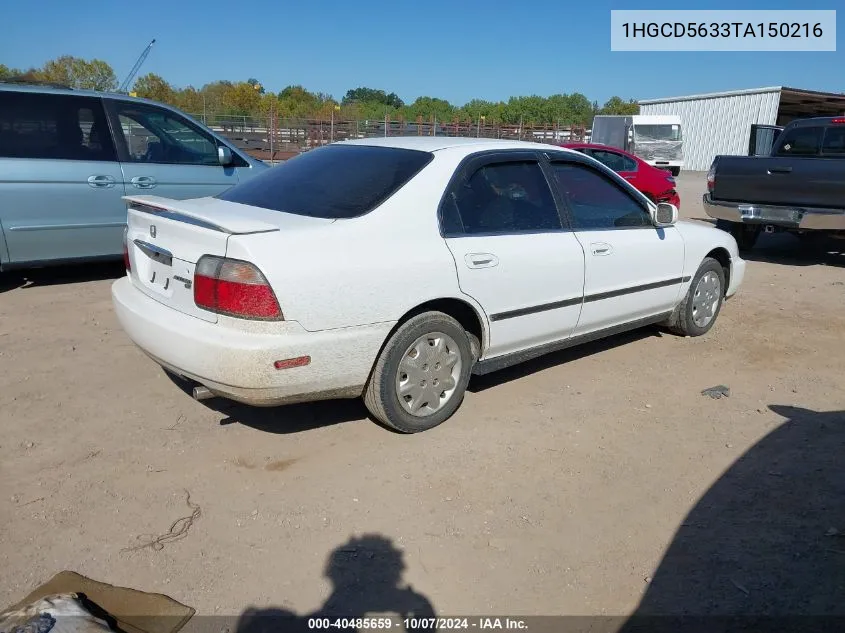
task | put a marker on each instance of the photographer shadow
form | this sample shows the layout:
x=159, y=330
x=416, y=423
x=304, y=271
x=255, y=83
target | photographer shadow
x=366, y=576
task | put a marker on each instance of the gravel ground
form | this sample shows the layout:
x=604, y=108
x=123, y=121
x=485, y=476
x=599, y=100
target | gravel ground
x=594, y=481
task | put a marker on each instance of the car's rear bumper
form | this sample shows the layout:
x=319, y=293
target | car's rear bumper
x=239, y=364
x=799, y=218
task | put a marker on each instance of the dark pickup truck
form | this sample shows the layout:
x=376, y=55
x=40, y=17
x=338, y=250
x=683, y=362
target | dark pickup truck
x=799, y=187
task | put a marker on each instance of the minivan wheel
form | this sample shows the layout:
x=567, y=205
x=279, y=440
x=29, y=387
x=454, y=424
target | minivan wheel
x=698, y=310
x=421, y=375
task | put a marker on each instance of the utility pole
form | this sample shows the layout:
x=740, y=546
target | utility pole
x=272, y=132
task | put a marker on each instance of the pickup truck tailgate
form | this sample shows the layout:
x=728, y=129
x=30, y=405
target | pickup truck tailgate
x=791, y=182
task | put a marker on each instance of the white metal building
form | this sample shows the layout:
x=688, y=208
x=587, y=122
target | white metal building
x=720, y=123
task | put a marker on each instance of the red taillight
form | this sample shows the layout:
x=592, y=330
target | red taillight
x=839, y=120
x=711, y=178
x=234, y=288
x=126, y=261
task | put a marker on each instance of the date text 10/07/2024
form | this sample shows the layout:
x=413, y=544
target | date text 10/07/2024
x=722, y=29
x=417, y=624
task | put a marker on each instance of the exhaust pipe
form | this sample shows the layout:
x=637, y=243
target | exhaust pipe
x=769, y=228
x=202, y=393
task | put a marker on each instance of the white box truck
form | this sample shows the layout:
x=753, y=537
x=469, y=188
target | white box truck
x=656, y=138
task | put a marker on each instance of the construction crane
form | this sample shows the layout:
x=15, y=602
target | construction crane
x=125, y=85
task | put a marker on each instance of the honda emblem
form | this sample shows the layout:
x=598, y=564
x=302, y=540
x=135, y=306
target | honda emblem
x=152, y=230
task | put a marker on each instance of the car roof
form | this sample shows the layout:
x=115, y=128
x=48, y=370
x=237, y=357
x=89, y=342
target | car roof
x=11, y=86
x=816, y=121
x=438, y=143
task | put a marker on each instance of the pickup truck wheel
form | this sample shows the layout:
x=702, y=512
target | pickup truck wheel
x=698, y=310
x=421, y=375
x=675, y=171
x=745, y=234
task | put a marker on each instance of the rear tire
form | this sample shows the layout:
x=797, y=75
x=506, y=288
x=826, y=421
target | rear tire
x=700, y=308
x=745, y=234
x=675, y=171
x=422, y=373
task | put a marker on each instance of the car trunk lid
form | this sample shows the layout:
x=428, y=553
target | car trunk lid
x=166, y=238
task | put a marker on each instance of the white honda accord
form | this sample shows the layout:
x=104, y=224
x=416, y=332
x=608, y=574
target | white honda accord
x=396, y=268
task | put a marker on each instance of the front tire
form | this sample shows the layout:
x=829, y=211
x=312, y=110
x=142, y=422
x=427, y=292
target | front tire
x=422, y=373
x=698, y=310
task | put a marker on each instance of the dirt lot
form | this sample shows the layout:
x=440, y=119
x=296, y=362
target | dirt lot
x=576, y=484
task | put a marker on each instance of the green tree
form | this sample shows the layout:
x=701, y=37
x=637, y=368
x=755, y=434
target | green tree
x=249, y=98
x=190, y=100
x=214, y=94
x=430, y=108
x=371, y=95
x=615, y=105
x=254, y=82
x=477, y=108
x=152, y=86
x=241, y=99
x=8, y=73
x=297, y=102
x=79, y=73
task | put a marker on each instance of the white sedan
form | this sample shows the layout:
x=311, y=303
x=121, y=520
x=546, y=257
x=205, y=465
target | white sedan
x=395, y=268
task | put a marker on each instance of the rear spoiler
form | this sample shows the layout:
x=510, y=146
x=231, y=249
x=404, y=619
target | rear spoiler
x=209, y=213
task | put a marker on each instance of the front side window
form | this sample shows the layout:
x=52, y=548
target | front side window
x=54, y=126
x=501, y=198
x=158, y=136
x=333, y=182
x=595, y=202
x=800, y=141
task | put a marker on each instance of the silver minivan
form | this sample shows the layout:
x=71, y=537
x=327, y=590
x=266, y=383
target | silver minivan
x=68, y=156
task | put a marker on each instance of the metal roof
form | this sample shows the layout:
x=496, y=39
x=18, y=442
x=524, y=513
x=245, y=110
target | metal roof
x=749, y=91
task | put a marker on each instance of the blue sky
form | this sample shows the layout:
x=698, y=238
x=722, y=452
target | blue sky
x=454, y=49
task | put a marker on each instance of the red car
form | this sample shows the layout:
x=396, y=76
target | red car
x=657, y=184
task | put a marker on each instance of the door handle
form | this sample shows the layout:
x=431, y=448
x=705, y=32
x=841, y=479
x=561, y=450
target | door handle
x=780, y=170
x=600, y=248
x=481, y=260
x=143, y=182
x=101, y=182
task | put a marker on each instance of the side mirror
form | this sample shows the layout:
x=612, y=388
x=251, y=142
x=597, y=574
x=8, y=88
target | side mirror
x=666, y=214
x=224, y=155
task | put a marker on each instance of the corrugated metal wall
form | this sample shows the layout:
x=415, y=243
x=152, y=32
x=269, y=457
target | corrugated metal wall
x=718, y=125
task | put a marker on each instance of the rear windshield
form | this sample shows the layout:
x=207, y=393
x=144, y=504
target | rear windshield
x=333, y=182
x=812, y=141
x=800, y=141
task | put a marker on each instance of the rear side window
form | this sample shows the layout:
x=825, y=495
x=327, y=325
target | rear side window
x=616, y=162
x=500, y=199
x=834, y=141
x=800, y=141
x=54, y=126
x=334, y=182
